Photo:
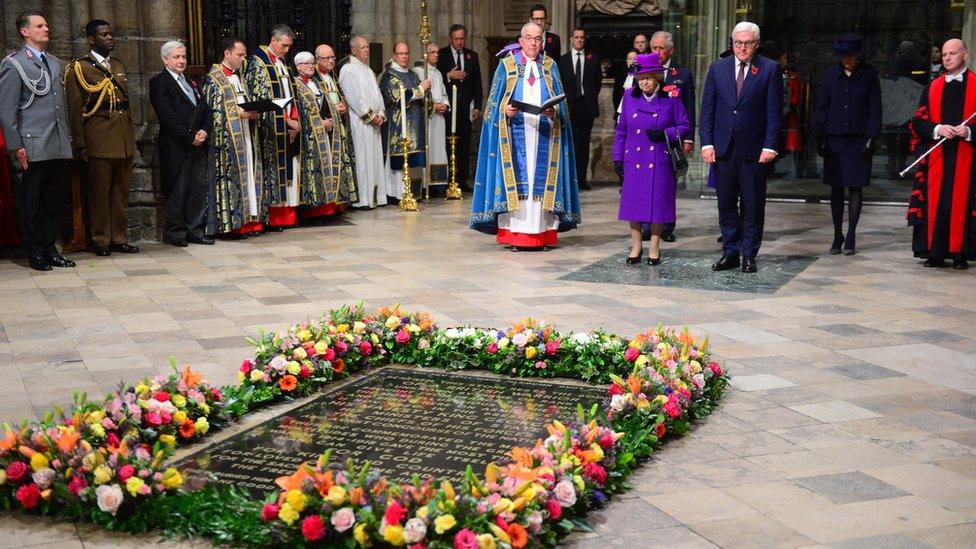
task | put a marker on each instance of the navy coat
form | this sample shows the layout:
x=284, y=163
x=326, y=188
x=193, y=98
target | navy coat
x=683, y=78
x=849, y=105
x=753, y=119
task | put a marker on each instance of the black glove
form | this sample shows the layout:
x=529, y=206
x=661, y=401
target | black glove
x=821, y=147
x=618, y=168
x=655, y=135
x=869, y=148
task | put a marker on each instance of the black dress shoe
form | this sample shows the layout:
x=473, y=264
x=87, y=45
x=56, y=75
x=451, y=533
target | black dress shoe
x=653, y=260
x=835, y=246
x=749, y=265
x=102, y=251
x=57, y=260
x=937, y=263
x=125, y=248
x=960, y=264
x=38, y=263
x=719, y=239
x=728, y=261
x=205, y=240
x=667, y=237
x=179, y=243
x=848, y=251
x=585, y=186
x=635, y=260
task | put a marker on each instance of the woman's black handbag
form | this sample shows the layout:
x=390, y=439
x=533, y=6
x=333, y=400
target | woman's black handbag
x=679, y=163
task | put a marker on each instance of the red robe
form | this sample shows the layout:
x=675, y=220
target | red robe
x=942, y=206
x=8, y=228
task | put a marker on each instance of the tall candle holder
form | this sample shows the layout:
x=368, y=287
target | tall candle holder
x=453, y=192
x=407, y=203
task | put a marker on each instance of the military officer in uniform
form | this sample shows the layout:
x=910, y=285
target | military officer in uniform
x=32, y=115
x=102, y=134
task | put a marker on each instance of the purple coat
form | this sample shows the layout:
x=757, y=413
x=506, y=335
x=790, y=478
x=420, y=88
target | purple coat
x=648, y=194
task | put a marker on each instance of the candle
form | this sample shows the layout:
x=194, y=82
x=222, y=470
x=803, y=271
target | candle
x=454, y=109
x=403, y=110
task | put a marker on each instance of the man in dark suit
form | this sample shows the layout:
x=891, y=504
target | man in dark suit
x=741, y=112
x=550, y=40
x=461, y=71
x=185, y=124
x=683, y=81
x=582, y=75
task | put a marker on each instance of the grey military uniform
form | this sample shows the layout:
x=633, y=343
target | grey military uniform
x=42, y=127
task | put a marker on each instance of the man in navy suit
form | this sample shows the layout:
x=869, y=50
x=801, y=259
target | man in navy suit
x=185, y=124
x=550, y=40
x=582, y=76
x=741, y=113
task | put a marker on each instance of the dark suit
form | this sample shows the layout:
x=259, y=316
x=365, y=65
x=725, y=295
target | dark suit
x=582, y=94
x=182, y=165
x=553, y=47
x=684, y=80
x=468, y=93
x=739, y=128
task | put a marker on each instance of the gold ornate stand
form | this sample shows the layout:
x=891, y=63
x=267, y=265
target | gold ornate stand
x=407, y=203
x=453, y=191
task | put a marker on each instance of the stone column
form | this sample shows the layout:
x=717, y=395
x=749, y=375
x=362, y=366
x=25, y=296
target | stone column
x=969, y=30
x=562, y=20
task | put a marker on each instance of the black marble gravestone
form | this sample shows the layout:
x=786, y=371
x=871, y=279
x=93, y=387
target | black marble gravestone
x=402, y=421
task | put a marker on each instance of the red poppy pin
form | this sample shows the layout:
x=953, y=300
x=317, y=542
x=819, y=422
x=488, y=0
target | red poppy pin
x=673, y=91
x=755, y=70
x=193, y=83
x=467, y=56
x=674, y=71
x=589, y=56
x=548, y=40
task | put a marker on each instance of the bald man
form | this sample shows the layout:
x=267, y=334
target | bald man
x=402, y=89
x=366, y=116
x=337, y=119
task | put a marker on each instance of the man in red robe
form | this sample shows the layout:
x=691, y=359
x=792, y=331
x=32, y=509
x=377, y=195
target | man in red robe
x=942, y=208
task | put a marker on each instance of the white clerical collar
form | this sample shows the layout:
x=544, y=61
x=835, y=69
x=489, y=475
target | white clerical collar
x=396, y=66
x=98, y=57
x=958, y=76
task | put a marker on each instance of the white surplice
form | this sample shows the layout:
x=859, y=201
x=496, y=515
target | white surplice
x=436, y=147
x=364, y=100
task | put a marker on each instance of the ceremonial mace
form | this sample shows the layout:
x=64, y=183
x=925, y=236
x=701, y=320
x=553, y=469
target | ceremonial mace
x=428, y=104
x=932, y=149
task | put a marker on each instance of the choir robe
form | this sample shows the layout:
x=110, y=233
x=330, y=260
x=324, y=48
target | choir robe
x=343, y=156
x=268, y=77
x=942, y=207
x=365, y=102
x=318, y=190
x=400, y=87
x=437, y=146
x=238, y=203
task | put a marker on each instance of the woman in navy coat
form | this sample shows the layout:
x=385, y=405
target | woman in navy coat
x=649, y=120
x=847, y=125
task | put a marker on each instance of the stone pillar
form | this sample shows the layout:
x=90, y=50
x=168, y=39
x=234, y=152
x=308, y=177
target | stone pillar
x=562, y=21
x=969, y=30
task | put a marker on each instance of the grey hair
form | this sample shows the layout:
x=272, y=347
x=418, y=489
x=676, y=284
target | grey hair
x=304, y=57
x=357, y=40
x=168, y=48
x=530, y=24
x=666, y=35
x=281, y=30
x=746, y=26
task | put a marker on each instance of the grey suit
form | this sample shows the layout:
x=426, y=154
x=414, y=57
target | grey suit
x=33, y=115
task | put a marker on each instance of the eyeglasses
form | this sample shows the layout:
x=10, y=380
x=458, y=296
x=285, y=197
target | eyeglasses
x=325, y=57
x=305, y=63
x=741, y=44
x=532, y=38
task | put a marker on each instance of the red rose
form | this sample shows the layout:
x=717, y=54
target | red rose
x=606, y=441
x=616, y=390
x=313, y=528
x=552, y=347
x=16, y=471
x=161, y=396
x=329, y=354
x=366, y=348
x=304, y=372
x=595, y=472
x=215, y=393
x=555, y=510
x=269, y=512
x=246, y=366
x=28, y=495
x=77, y=484
x=394, y=512
x=113, y=440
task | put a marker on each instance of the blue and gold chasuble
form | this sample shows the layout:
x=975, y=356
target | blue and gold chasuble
x=501, y=179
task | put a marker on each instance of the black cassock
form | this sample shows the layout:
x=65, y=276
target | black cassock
x=942, y=207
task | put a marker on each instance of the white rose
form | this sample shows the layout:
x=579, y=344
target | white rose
x=415, y=530
x=343, y=519
x=565, y=492
x=582, y=338
x=617, y=402
x=109, y=497
x=451, y=333
x=44, y=477
x=520, y=339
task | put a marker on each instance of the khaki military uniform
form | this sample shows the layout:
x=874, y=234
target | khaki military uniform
x=100, y=122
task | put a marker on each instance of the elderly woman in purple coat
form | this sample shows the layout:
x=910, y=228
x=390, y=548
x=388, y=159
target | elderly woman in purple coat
x=650, y=118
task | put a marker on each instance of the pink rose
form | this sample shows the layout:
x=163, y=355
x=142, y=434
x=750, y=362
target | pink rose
x=153, y=419
x=16, y=471
x=343, y=519
x=329, y=354
x=492, y=348
x=465, y=539
x=540, y=365
x=402, y=337
x=77, y=484
x=565, y=493
x=631, y=354
x=126, y=472
x=246, y=366
x=109, y=498
x=304, y=372
x=552, y=347
x=715, y=368
x=270, y=512
x=555, y=510
x=366, y=348
x=341, y=346
x=672, y=407
x=606, y=441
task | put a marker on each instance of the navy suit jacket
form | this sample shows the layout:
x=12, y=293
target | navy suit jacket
x=682, y=77
x=849, y=106
x=753, y=119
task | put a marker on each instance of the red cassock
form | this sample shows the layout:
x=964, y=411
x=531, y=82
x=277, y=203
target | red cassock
x=942, y=207
x=796, y=100
x=8, y=227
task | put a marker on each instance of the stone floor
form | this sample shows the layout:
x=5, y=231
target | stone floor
x=851, y=421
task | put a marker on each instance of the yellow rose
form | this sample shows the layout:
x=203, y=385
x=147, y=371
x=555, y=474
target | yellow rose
x=141, y=388
x=597, y=451
x=413, y=328
x=303, y=335
x=486, y=541
x=240, y=377
x=578, y=483
x=38, y=462
x=444, y=523
x=321, y=347
x=257, y=376
x=659, y=400
x=362, y=538
x=296, y=499
x=503, y=342
x=299, y=354
x=179, y=401
x=394, y=534
x=641, y=360
x=92, y=460
x=3, y=477
x=393, y=322
x=530, y=352
x=179, y=418
x=358, y=327
x=287, y=514
x=96, y=416
x=202, y=425
x=336, y=496
x=97, y=429
x=422, y=513
x=46, y=494
x=293, y=368
x=172, y=479
x=168, y=440
x=342, y=328
x=375, y=339
x=695, y=367
x=132, y=484
x=205, y=408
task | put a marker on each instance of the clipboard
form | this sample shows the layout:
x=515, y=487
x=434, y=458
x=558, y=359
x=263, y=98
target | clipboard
x=265, y=105
x=537, y=109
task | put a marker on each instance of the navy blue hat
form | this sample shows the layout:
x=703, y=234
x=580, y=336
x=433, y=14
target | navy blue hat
x=848, y=44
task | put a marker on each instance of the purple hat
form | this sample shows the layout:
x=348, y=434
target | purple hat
x=647, y=62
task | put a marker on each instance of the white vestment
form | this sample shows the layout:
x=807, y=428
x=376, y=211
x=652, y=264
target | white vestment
x=364, y=100
x=436, y=146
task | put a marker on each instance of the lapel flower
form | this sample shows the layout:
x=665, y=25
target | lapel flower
x=755, y=70
x=467, y=56
x=589, y=56
x=674, y=71
x=673, y=91
x=548, y=40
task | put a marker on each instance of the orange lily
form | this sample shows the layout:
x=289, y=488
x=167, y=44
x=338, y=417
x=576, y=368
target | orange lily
x=67, y=439
x=294, y=482
x=633, y=383
x=9, y=441
x=191, y=378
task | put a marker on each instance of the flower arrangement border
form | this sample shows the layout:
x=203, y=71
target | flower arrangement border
x=104, y=462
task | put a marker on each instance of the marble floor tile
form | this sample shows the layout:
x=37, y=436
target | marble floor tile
x=843, y=488
x=834, y=411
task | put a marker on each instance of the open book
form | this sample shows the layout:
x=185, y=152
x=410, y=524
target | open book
x=265, y=105
x=537, y=109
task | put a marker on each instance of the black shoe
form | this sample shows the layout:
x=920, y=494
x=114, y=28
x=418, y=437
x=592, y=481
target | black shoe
x=835, y=246
x=937, y=263
x=635, y=260
x=848, y=251
x=38, y=263
x=102, y=251
x=719, y=239
x=178, y=242
x=749, y=265
x=514, y=249
x=849, y=244
x=653, y=260
x=125, y=248
x=960, y=264
x=585, y=187
x=667, y=237
x=205, y=240
x=728, y=261
x=57, y=260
